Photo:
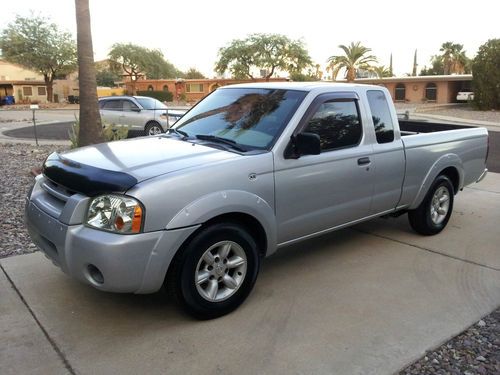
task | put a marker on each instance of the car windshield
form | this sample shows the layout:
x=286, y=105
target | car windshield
x=248, y=116
x=151, y=103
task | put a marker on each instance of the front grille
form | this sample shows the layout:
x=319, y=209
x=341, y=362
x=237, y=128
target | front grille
x=51, y=197
x=57, y=191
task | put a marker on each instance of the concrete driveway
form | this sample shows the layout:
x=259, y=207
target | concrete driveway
x=365, y=300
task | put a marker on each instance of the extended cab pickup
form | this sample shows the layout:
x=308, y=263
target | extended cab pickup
x=250, y=169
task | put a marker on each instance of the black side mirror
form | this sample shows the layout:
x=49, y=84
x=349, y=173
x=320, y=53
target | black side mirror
x=307, y=144
x=136, y=109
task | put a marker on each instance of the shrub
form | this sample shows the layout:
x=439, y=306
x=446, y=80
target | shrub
x=111, y=132
x=162, y=96
x=486, y=75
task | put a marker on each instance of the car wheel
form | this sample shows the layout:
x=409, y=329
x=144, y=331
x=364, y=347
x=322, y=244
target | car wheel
x=435, y=210
x=153, y=128
x=215, y=272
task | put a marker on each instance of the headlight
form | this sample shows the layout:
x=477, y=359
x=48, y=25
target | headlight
x=171, y=119
x=115, y=213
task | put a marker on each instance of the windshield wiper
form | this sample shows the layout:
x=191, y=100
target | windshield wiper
x=226, y=141
x=180, y=133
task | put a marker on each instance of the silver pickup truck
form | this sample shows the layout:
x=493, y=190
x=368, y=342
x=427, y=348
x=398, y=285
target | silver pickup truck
x=250, y=169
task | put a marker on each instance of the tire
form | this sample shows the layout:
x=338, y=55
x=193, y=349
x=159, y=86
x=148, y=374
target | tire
x=432, y=216
x=153, y=128
x=227, y=243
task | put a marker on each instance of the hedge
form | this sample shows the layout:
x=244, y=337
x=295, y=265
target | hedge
x=162, y=96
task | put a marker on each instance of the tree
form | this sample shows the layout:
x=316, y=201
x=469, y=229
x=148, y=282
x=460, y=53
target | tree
x=382, y=71
x=267, y=52
x=106, y=78
x=136, y=61
x=194, y=73
x=414, y=70
x=313, y=73
x=90, y=129
x=436, y=68
x=36, y=44
x=355, y=58
x=454, y=58
x=486, y=75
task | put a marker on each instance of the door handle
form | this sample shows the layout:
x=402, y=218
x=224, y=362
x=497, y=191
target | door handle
x=363, y=161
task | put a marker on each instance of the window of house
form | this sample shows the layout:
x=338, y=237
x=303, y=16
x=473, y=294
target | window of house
x=150, y=88
x=194, y=87
x=400, y=92
x=337, y=123
x=431, y=91
x=27, y=91
x=165, y=88
x=381, y=116
x=41, y=91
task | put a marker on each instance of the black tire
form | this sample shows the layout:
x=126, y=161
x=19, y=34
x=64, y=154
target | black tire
x=153, y=128
x=421, y=218
x=180, y=281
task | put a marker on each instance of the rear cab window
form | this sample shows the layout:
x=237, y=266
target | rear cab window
x=381, y=116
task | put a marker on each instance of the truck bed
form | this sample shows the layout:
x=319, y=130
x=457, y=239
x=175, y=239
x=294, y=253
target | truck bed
x=412, y=127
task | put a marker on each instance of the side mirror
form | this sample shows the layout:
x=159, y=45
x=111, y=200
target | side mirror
x=136, y=109
x=307, y=144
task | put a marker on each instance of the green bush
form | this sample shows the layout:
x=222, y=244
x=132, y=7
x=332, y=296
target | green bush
x=111, y=132
x=162, y=96
x=486, y=75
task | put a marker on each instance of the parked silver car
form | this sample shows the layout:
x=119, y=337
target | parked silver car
x=138, y=113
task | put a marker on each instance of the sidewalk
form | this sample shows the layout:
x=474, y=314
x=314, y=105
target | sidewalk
x=365, y=300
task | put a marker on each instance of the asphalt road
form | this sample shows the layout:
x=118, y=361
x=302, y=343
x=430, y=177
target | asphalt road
x=60, y=131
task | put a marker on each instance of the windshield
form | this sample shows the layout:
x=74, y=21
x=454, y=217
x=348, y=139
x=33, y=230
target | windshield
x=151, y=103
x=250, y=117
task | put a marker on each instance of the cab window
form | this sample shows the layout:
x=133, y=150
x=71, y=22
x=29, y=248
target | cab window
x=381, y=116
x=337, y=123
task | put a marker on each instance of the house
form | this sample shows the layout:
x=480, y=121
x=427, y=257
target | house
x=440, y=89
x=190, y=90
x=27, y=86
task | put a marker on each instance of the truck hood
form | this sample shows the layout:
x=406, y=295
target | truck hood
x=117, y=166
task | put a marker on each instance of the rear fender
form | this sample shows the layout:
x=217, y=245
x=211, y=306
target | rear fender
x=445, y=161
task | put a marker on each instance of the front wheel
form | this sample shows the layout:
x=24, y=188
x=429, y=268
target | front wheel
x=435, y=210
x=153, y=128
x=215, y=272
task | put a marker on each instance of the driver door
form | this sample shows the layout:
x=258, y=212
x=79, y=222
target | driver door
x=315, y=193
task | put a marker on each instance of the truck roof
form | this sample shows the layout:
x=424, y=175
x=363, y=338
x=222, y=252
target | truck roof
x=304, y=86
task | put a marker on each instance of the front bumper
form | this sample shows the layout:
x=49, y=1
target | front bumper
x=128, y=263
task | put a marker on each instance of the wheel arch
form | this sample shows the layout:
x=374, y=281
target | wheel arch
x=449, y=165
x=244, y=208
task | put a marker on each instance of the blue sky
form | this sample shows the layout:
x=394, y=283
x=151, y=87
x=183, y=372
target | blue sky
x=190, y=33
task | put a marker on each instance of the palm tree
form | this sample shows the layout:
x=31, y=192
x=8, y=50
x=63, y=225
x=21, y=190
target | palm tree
x=382, y=71
x=90, y=126
x=355, y=57
x=454, y=58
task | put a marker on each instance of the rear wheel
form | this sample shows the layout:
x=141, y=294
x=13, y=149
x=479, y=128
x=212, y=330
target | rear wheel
x=435, y=210
x=215, y=272
x=153, y=128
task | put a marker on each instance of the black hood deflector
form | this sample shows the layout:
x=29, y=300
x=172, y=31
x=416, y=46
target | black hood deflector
x=84, y=178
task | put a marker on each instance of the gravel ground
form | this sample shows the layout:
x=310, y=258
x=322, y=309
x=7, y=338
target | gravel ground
x=475, y=351
x=17, y=162
x=465, y=112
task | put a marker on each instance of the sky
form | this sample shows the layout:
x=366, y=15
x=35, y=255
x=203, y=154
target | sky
x=190, y=33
